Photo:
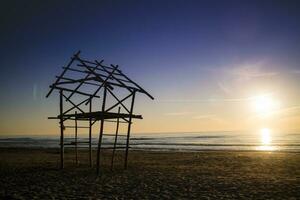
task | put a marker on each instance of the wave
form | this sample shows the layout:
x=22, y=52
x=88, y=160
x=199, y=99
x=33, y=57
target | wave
x=192, y=141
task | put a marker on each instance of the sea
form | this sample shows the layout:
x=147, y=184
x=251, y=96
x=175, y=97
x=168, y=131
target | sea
x=195, y=141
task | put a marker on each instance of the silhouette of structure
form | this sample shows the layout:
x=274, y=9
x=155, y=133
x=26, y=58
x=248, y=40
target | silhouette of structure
x=90, y=91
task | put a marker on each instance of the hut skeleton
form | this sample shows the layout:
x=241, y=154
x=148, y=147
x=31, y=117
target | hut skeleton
x=80, y=84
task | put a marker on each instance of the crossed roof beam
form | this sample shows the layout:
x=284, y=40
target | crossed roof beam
x=92, y=73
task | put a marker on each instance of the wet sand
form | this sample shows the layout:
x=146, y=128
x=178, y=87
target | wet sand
x=34, y=174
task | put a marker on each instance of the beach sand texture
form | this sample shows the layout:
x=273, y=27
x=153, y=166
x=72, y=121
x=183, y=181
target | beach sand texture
x=34, y=174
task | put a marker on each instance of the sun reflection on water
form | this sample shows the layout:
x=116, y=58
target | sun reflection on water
x=266, y=140
x=265, y=136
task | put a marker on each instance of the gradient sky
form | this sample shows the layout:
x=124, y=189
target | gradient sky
x=203, y=61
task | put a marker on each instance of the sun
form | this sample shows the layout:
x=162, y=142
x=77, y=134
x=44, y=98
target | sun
x=265, y=104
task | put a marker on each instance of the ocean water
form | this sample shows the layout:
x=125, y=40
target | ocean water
x=202, y=141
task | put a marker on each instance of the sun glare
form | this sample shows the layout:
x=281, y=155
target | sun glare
x=265, y=104
x=265, y=138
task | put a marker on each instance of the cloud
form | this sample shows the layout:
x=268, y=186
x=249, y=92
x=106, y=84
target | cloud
x=283, y=112
x=247, y=70
x=224, y=87
x=210, y=100
x=230, y=79
x=288, y=111
x=211, y=117
x=295, y=72
x=178, y=113
x=204, y=116
x=250, y=71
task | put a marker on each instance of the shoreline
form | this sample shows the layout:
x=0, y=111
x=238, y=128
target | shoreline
x=163, y=150
x=193, y=142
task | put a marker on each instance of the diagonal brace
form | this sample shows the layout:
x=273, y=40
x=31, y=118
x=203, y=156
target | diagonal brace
x=119, y=101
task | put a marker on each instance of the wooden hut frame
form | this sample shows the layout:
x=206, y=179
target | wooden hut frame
x=103, y=80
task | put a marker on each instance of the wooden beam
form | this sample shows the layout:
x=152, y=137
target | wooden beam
x=113, y=121
x=84, y=72
x=81, y=82
x=101, y=131
x=99, y=88
x=95, y=79
x=143, y=91
x=94, y=63
x=92, y=72
x=94, y=122
x=69, y=79
x=77, y=126
x=119, y=101
x=126, y=120
x=120, y=82
x=61, y=129
x=70, y=90
x=128, y=131
x=124, y=86
x=115, y=143
x=90, y=62
x=76, y=150
x=90, y=136
x=101, y=115
x=62, y=74
x=99, y=69
x=74, y=105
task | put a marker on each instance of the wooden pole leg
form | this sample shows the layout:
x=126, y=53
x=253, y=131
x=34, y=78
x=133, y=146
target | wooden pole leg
x=76, y=137
x=90, y=137
x=61, y=130
x=115, y=143
x=101, y=132
x=128, y=131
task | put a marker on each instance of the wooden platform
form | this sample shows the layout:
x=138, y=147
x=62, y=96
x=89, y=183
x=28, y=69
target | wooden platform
x=97, y=116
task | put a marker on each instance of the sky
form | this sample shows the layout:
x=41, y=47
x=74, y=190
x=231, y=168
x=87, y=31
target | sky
x=211, y=65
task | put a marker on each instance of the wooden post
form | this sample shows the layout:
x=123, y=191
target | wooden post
x=61, y=129
x=90, y=136
x=115, y=143
x=76, y=149
x=101, y=131
x=128, y=130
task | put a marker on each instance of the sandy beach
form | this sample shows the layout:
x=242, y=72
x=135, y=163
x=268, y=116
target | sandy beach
x=34, y=174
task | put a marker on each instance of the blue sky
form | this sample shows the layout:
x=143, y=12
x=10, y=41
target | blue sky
x=188, y=54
